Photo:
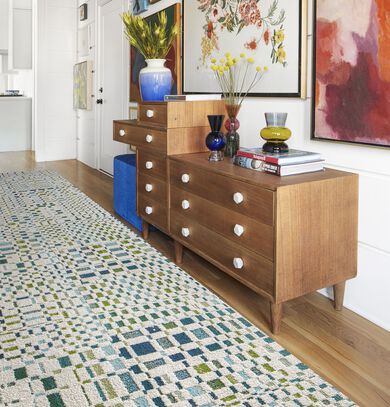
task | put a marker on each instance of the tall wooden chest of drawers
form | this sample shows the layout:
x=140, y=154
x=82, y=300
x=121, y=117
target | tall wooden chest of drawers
x=281, y=236
x=163, y=129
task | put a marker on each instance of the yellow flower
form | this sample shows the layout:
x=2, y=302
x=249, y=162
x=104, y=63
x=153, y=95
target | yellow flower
x=227, y=55
x=214, y=68
x=279, y=36
x=242, y=55
x=265, y=68
x=213, y=60
x=258, y=68
x=229, y=62
x=235, y=60
x=222, y=60
x=251, y=60
x=281, y=55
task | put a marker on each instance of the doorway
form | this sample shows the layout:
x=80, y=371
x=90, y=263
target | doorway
x=112, y=93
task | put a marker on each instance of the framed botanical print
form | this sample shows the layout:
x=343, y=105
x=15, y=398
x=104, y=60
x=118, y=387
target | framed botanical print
x=173, y=59
x=351, y=71
x=272, y=32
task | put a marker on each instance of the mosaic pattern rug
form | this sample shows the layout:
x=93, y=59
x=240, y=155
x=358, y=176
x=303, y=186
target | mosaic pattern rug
x=92, y=315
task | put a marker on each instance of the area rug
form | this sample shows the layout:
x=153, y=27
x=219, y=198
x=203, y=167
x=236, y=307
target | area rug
x=92, y=315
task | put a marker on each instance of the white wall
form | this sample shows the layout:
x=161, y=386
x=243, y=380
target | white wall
x=56, y=55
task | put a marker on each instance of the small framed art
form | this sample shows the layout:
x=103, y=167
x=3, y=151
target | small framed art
x=83, y=12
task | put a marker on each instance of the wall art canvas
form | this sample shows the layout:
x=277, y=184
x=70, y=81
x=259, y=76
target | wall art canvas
x=82, y=85
x=139, y=6
x=270, y=31
x=173, y=59
x=351, y=91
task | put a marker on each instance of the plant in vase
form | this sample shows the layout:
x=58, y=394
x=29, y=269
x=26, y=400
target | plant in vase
x=236, y=77
x=153, y=41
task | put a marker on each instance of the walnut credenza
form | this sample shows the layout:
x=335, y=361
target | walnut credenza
x=281, y=236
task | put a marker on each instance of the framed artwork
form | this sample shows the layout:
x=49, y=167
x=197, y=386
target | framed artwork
x=153, y=1
x=137, y=61
x=82, y=85
x=272, y=32
x=83, y=12
x=139, y=6
x=351, y=71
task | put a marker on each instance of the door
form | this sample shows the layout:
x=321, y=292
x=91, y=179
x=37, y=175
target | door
x=112, y=95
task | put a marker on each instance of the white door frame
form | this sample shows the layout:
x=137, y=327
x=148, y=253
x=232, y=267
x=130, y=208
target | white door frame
x=125, y=77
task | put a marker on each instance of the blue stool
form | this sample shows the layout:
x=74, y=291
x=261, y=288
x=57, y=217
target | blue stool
x=125, y=189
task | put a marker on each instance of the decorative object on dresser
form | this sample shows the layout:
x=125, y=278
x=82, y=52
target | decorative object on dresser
x=276, y=133
x=215, y=140
x=274, y=32
x=173, y=58
x=233, y=76
x=282, y=237
x=153, y=40
x=163, y=129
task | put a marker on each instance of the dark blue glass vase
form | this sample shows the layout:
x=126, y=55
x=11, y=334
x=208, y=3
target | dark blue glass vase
x=215, y=140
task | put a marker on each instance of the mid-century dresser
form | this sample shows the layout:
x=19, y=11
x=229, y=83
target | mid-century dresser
x=281, y=236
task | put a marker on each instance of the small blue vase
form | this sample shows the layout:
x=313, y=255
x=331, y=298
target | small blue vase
x=215, y=140
x=155, y=80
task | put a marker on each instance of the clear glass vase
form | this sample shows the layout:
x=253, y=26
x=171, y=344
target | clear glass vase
x=232, y=125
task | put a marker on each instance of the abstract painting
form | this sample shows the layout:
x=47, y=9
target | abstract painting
x=82, y=85
x=351, y=92
x=137, y=61
x=269, y=31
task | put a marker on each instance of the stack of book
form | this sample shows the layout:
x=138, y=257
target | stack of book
x=290, y=163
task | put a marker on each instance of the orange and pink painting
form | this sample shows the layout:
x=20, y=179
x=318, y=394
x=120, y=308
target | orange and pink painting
x=351, y=92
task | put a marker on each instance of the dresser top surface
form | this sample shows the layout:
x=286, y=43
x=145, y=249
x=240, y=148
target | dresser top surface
x=265, y=180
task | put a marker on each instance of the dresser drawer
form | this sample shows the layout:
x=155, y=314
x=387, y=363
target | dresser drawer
x=154, y=212
x=153, y=187
x=140, y=136
x=246, y=266
x=233, y=225
x=153, y=164
x=153, y=113
x=249, y=200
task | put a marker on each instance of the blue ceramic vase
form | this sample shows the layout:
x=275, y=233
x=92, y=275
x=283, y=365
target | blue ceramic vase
x=215, y=140
x=155, y=80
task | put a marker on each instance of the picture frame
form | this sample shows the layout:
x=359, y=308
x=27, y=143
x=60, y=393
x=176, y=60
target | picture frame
x=82, y=85
x=351, y=74
x=83, y=12
x=137, y=61
x=272, y=32
x=140, y=6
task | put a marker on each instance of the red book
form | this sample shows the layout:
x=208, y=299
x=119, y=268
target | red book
x=290, y=157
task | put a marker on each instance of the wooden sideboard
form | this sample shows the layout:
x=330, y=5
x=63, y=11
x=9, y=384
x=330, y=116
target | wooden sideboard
x=281, y=236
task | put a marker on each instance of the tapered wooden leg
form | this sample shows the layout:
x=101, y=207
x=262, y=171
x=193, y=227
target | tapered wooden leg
x=276, y=317
x=145, y=229
x=338, y=293
x=178, y=252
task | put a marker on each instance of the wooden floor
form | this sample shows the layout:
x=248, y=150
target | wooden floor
x=344, y=348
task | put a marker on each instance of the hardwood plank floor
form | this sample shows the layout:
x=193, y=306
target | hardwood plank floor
x=344, y=348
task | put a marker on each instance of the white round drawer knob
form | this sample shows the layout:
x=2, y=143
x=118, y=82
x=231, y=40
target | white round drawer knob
x=185, y=178
x=238, y=263
x=148, y=187
x=238, y=197
x=122, y=132
x=238, y=230
x=185, y=204
x=185, y=232
x=149, y=138
x=148, y=165
x=149, y=113
x=148, y=210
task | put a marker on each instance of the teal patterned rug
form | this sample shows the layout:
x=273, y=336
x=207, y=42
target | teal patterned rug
x=92, y=315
